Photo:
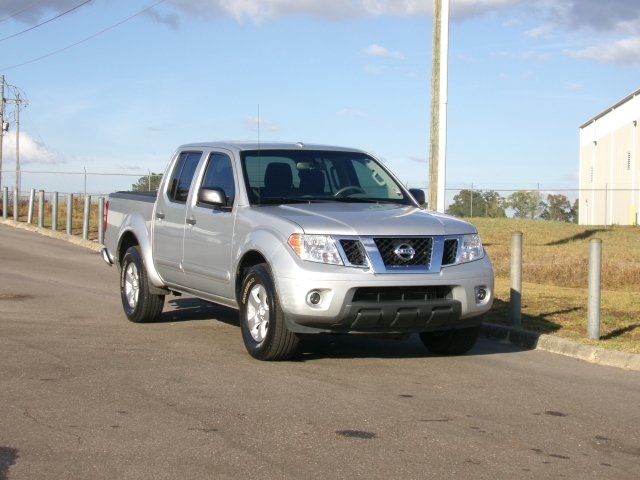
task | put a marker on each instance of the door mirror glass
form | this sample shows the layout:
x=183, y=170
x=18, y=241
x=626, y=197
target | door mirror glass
x=214, y=197
x=418, y=195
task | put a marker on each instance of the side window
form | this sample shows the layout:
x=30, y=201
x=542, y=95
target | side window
x=219, y=174
x=183, y=175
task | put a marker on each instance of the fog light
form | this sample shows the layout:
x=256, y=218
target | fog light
x=314, y=298
x=481, y=294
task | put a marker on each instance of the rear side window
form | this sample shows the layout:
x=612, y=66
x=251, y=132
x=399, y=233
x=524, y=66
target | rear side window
x=183, y=175
x=219, y=174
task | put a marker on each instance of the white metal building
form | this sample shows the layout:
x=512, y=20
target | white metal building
x=610, y=166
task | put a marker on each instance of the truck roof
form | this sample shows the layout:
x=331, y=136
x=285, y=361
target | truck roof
x=241, y=146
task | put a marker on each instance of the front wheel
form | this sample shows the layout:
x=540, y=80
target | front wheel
x=139, y=305
x=451, y=342
x=264, y=331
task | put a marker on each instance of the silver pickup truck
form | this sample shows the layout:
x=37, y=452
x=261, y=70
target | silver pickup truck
x=300, y=239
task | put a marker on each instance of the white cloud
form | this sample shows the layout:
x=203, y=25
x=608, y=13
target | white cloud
x=261, y=10
x=375, y=50
x=621, y=52
x=255, y=124
x=31, y=151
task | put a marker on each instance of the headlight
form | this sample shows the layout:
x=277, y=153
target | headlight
x=315, y=248
x=471, y=249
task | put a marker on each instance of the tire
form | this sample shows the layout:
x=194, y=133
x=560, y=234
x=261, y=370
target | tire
x=451, y=342
x=264, y=330
x=139, y=305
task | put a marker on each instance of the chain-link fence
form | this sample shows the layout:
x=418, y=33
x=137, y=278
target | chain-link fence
x=595, y=206
x=607, y=205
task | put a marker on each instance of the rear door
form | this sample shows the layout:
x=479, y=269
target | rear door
x=170, y=216
x=209, y=232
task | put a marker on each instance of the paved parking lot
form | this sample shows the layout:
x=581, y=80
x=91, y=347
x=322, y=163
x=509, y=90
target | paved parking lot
x=86, y=394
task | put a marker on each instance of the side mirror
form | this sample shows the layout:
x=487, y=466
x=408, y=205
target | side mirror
x=418, y=195
x=214, y=197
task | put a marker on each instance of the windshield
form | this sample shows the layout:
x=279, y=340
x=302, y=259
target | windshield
x=295, y=176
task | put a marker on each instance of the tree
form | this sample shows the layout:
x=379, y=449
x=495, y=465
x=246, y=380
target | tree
x=466, y=203
x=557, y=208
x=575, y=210
x=147, y=183
x=494, y=204
x=477, y=203
x=526, y=203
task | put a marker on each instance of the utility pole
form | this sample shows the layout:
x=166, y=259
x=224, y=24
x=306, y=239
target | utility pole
x=1, y=123
x=439, y=92
x=18, y=142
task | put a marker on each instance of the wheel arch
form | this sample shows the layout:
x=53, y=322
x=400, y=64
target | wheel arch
x=248, y=260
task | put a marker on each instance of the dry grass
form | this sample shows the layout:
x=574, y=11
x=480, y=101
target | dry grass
x=555, y=268
x=78, y=213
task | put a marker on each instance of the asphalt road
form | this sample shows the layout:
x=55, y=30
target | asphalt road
x=85, y=394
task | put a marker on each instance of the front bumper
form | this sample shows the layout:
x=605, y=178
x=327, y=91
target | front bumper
x=338, y=312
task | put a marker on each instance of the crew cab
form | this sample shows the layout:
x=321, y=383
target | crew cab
x=300, y=239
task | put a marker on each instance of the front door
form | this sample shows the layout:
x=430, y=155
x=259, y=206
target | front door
x=209, y=232
x=170, y=216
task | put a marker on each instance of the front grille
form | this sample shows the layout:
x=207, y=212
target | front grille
x=422, y=247
x=400, y=294
x=450, y=251
x=354, y=251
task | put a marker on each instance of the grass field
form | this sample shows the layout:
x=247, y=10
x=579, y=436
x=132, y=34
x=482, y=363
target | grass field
x=555, y=268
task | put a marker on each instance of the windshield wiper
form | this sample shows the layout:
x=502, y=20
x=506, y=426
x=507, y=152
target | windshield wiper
x=363, y=200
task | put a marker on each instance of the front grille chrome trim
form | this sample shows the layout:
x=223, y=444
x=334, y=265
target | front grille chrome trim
x=375, y=263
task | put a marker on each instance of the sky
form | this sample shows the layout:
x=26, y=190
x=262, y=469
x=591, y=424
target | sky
x=524, y=75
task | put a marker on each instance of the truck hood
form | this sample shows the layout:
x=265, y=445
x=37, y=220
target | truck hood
x=369, y=219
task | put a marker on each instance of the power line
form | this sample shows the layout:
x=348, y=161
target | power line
x=111, y=27
x=46, y=21
x=28, y=7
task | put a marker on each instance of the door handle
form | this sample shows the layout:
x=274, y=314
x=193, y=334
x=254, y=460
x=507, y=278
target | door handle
x=160, y=215
x=191, y=220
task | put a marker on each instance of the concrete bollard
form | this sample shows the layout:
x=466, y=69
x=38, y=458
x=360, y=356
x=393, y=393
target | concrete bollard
x=70, y=214
x=101, y=220
x=85, y=217
x=595, y=273
x=5, y=202
x=54, y=212
x=41, y=209
x=516, y=280
x=16, y=205
x=32, y=199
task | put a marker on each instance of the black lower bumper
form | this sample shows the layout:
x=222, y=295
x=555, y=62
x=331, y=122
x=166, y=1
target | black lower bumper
x=395, y=317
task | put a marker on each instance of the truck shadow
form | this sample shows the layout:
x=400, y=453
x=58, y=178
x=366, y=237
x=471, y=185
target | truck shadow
x=189, y=309
x=323, y=346
x=318, y=347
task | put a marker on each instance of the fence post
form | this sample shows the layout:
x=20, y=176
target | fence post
x=32, y=199
x=516, y=279
x=86, y=216
x=41, y=209
x=5, y=202
x=70, y=214
x=101, y=220
x=54, y=212
x=16, y=205
x=595, y=270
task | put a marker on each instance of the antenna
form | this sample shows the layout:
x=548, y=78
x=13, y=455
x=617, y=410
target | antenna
x=259, y=148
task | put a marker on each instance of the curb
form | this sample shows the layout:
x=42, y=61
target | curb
x=94, y=246
x=561, y=346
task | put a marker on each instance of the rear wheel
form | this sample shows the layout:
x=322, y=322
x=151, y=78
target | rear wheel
x=139, y=305
x=264, y=330
x=451, y=342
